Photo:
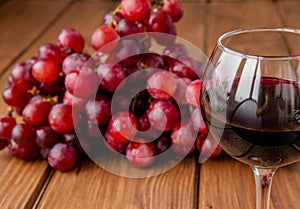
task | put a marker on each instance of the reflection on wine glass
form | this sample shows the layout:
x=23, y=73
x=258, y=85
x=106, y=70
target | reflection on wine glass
x=250, y=98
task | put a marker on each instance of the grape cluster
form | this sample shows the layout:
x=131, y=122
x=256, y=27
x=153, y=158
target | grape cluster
x=64, y=93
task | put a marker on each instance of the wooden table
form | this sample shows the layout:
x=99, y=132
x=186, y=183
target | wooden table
x=217, y=184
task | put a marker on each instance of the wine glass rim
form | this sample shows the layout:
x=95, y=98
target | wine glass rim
x=251, y=30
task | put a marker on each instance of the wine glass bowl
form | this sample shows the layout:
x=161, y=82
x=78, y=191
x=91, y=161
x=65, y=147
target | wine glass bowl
x=250, y=99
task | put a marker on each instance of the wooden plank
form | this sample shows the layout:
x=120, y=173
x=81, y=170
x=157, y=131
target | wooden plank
x=286, y=187
x=21, y=22
x=93, y=187
x=290, y=13
x=20, y=181
x=226, y=183
x=192, y=25
x=30, y=176
x=226, y=16
x=20, y=25
x=232, y=186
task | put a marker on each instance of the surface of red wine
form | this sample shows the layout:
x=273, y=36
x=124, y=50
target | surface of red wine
x=261, y=129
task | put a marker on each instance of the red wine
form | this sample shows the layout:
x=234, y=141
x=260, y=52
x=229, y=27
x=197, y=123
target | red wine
x=262, y=122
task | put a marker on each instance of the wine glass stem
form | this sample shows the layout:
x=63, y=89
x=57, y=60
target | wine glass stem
x=263, y=183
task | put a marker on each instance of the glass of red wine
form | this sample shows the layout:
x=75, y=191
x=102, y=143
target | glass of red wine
x=250, y=100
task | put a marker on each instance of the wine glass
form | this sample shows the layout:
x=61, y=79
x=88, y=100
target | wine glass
x=250, y=100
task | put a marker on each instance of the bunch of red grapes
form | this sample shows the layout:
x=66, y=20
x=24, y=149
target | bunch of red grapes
x=64, y=92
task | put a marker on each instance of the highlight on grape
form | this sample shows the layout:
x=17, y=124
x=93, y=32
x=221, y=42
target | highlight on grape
x=133, y=100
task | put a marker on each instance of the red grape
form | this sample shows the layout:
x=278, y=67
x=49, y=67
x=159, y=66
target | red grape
x=151, y=60
x=46, y=137
x=45, y=70
x=136, y=10
x=20, y=72
x=23, y=134
x=104, y=39
x=35, y=113
x=175, y=51
x=60, y=118
x=51, y=51
x=115, y=144
x=163, y=115
x=28, y=151
x=160, y=22
x=111, y=78
x=144, y=123
x=75, y=62
x=7, y=123
x=18, y=95
x=32, y=60
x=198, y=122
x=70, y=81
x=162, y=85
x=183, y=67
x=70, y=40
x=173, y=8
x=140, y=153
x=192, y=93
x=131, y=70
x=183, y=133
x=179, y=94
x=71, y=139
x=55, y=88
x=208, y=147
x=127, y=52
x=126, y=27
x=141, y=27
x=62, y=157
x=123, y=126
x=162, y=144
x=146, y=130
x=99, y=110
x=87, y=83
x=77, y=104
x=36, y=98
x=3, y=144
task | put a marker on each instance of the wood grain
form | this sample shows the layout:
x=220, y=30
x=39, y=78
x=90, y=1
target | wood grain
x=192, y=26
x=20, y=181
x=286, y=186
x=231, y=185
x=226, y=183
x=93, y=187
x=289, y=12
x=226, y=16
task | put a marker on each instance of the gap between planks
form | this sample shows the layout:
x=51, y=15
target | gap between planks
x=40, y=190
